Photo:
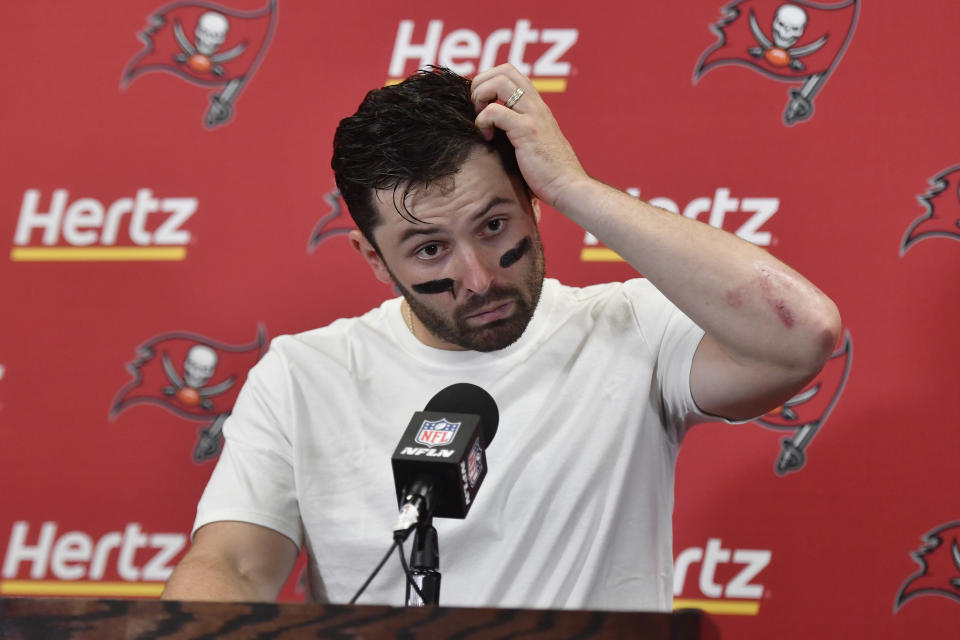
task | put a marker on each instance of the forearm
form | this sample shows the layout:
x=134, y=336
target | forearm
x=756, y=307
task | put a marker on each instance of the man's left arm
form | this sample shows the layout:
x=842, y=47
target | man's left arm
x=768, y=329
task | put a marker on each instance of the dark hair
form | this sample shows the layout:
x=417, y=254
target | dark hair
x=405, y=136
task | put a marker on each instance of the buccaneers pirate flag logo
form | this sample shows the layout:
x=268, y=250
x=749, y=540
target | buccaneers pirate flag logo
x=807, y=411
x=193, y=377
x=207, y=45
x=942, y=204
x=939, y=560
x=798, y=42
x=334, y=223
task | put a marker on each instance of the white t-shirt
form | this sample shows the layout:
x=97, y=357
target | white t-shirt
x=575, y=511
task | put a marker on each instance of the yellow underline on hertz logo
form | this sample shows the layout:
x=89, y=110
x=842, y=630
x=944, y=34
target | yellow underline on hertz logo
x=599, y=254
x=98, y=254
x=721, y=607
x=154, y=589
x=80, y=588
x=543, y=85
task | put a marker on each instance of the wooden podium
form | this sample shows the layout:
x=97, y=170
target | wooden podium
x=60, y=619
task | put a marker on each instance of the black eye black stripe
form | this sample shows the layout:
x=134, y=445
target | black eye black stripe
x=434, y=286
x=513, y=255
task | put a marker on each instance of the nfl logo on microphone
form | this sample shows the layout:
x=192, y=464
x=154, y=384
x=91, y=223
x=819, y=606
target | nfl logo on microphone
x=435, y=433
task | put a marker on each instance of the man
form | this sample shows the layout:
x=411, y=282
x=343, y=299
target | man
x=596, y=387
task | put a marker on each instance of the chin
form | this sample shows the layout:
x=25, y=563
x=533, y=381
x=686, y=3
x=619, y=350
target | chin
x=498, y=335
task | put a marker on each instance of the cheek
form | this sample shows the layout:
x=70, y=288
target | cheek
x=442, y=308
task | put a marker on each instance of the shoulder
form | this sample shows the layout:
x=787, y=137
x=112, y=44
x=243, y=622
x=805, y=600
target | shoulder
x=622, y=309
x=338, y=343
x=636, y=293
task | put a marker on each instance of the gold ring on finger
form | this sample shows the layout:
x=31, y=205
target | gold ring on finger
x=514, y=98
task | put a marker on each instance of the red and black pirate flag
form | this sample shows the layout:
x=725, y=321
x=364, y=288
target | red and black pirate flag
x=208, y=45
x=335, y=222
x=798, y=42
x=939, y=560
x=193, y=377
x=942, y=216
x=808, y=410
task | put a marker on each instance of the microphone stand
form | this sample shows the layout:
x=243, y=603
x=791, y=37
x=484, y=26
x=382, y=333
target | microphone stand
x=424, y=565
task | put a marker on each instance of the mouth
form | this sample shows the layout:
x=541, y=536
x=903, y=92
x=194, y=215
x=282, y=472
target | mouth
x=493, y=313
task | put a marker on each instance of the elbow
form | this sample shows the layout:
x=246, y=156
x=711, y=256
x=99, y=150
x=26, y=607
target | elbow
x=826, y=328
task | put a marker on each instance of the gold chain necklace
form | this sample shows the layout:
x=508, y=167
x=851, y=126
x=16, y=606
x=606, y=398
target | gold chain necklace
x=408, y=316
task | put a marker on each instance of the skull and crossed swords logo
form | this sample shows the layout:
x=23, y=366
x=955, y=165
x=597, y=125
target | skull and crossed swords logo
x=204, y=388
x=803, y=42
x=789, y=24
x=206, y=44
x=210, y=34
x=198, y=368
x=201, y=57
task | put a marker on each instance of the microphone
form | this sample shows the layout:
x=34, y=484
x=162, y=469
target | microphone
x=440, y=461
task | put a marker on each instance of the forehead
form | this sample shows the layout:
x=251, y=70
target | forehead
x=453, y=200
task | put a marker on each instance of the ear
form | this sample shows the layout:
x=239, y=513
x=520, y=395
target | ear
x=362, y=246
x=535, y=207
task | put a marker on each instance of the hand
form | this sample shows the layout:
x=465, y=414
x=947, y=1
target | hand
x=546, y=159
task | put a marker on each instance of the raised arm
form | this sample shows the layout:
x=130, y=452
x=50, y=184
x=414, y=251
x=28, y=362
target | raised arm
x=233, y=561
x=768, y=329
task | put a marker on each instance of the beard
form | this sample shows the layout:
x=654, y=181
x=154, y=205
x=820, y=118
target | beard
x=493, y=335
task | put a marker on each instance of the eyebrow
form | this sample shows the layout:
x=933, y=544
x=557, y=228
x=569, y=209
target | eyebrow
x=412, y=231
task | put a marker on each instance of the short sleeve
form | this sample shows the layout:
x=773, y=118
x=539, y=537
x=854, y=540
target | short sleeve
x=673, y=339
x=254, y=477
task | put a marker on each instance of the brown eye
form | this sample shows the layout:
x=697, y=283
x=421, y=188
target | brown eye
x=429, y=251
x=495, y=225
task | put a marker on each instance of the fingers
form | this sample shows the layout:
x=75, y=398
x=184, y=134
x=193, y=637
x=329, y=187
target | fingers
x=508, y=70
x=495, y=86
x=497, y=115
x=498, y=84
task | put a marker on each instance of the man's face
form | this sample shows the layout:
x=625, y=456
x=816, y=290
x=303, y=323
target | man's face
x=472, y=269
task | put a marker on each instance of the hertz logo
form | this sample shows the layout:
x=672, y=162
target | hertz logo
x=142, y=228
x=746, y=219
x=75, y=563
x=727, y=577
x=537, y=53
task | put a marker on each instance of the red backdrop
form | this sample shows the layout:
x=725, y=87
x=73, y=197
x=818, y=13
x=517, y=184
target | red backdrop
x=160, y=194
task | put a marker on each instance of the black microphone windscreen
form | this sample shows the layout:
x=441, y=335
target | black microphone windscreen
x=464, y=397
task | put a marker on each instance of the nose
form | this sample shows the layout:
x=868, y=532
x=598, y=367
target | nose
x=476, y=276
